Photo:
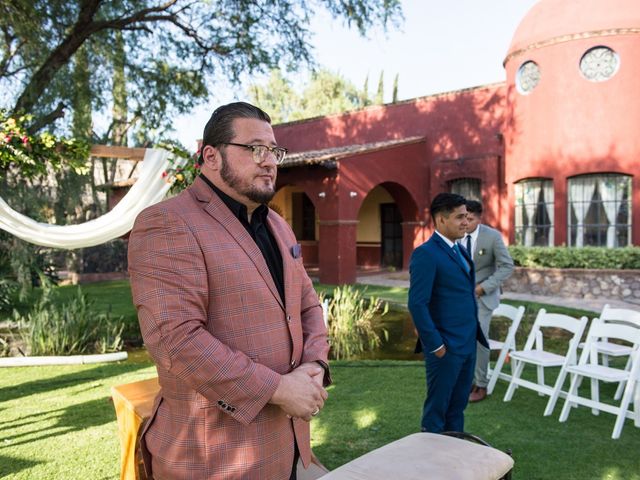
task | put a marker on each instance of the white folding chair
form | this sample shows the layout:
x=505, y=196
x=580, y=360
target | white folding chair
x=509, y=344
x=535, y=354
x=608, y=349
x=591, y=367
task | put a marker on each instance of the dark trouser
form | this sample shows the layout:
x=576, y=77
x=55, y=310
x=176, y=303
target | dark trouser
x=296, y=457
x=448, y=383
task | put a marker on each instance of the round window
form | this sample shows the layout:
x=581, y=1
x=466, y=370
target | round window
x=599, y=64
x=528, y=77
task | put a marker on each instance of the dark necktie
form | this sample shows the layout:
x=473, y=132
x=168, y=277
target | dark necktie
x=463, y=260
x=468, y=245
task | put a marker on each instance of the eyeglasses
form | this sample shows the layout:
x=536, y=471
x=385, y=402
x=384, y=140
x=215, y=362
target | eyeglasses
x=260, y=151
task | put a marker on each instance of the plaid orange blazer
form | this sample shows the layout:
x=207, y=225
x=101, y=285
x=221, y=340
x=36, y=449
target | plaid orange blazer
x=220, y=336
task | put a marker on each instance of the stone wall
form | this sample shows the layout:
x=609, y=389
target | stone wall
x=576, y=283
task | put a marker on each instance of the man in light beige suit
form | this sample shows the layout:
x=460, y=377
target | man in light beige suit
x=493, y=266
x=229, y=316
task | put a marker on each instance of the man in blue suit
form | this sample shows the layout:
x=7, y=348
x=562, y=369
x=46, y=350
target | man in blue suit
x=443, y=306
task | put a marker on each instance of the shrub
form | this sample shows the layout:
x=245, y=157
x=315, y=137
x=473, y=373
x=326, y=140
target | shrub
x=106, y=257
x=627, y=258
x=8, y=293
x=351, y=325
x=72, y=327
x=4, y=347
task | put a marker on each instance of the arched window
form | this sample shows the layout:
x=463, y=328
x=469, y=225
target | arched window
x=600, y=210
x=469, y=188
x=534, y=212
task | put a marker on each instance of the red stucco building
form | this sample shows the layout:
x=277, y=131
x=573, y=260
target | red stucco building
x=553, y=152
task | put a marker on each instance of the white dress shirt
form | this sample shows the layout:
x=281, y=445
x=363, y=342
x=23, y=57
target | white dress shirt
x=474, y=240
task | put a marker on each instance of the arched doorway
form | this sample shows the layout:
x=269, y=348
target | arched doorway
x=391, y=236
x=295, y=206
x=379, y=240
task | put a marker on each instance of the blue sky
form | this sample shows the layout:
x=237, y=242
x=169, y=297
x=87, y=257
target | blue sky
x=441, y=46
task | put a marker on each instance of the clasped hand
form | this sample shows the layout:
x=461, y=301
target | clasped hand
x=300, y=393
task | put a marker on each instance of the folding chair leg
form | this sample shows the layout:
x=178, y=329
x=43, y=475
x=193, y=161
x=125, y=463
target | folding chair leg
x=495, y=373
x=624, y=405
x=540, y=378
x=620, y=389
x=576, y=380
x=571, y=377
x=512, y=384
x=636, y=405
x=556, y=393
x=595, y=395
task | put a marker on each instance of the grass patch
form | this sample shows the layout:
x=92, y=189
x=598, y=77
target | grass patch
x=396, y=296
x=113, y=297
x=59, y=423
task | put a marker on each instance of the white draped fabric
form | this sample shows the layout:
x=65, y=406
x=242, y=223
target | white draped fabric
x=531, y=195
x=149, y=188
x=549, y=205
x=612, y=192
x=581, y=191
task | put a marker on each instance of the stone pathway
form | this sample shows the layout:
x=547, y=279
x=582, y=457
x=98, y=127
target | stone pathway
x=400, y=279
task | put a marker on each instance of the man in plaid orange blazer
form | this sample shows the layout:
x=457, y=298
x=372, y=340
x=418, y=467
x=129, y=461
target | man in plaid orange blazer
x=229, y=316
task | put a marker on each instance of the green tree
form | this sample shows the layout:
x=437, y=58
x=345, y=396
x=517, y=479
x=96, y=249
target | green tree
x=380, y=92
x=119, y=89
x=176, y=50
x=137, y=63
x=81, y=96
x=277, y=97
x=364, y=94
x=394, y=97
x=325, y=93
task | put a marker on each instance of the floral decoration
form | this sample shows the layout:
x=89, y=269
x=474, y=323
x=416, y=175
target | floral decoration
x=34, y=154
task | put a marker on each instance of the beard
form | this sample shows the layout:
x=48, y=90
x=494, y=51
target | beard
x=252, y=192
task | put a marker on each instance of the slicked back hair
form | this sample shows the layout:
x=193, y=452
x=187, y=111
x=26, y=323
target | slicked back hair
x=445, y=203
x=473, y=206
x=219, y=128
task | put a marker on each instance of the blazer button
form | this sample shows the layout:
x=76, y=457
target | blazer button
x=289, y=318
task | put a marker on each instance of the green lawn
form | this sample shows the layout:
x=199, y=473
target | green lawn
x=58, y=422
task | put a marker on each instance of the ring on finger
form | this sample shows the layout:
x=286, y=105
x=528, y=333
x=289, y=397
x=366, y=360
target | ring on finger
x=315, y=412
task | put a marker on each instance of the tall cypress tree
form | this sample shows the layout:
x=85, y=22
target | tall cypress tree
x=380, y=92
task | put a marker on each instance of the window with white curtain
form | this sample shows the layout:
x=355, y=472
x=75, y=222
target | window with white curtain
x=469, y=188
x=534, y=212
x=600, y=210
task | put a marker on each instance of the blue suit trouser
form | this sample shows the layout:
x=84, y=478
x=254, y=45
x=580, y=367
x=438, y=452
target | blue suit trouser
x=448, y=385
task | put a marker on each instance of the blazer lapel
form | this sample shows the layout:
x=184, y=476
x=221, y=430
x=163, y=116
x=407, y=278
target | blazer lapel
x=452, y=254
x=219, y=211
x=480, y=241
x=285, y=252
x=469, y=261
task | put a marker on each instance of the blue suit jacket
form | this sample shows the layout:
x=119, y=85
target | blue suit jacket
x=442, y=298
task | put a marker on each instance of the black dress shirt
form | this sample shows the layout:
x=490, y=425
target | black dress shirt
x=259, y=231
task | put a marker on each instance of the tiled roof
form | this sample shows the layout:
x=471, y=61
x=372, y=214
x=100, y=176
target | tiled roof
x=327, y=155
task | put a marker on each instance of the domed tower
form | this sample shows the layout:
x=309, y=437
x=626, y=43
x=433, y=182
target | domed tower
x=572, y=127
